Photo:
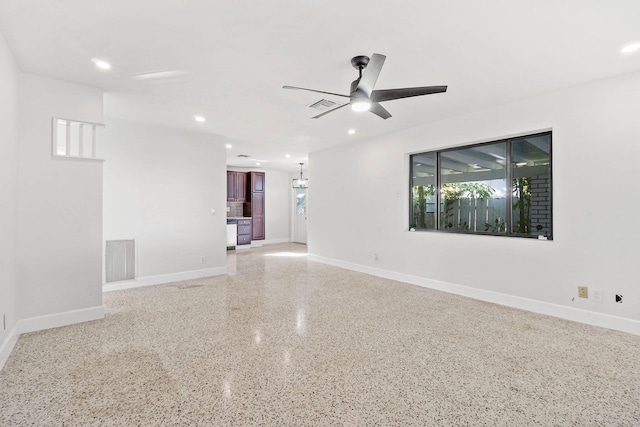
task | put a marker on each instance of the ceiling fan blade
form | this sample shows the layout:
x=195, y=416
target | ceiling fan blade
x=371, y=73
x=379, y=110
x=329, y=111
x=407, y=92
x=313, y=90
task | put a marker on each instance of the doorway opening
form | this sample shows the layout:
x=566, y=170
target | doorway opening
x=300, y=216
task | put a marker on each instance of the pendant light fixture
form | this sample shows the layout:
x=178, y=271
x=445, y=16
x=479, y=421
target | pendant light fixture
x=300, y=182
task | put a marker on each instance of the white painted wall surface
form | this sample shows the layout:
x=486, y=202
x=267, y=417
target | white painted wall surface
x=596, y=147
x=276, y=209
x=60, y=204
x=8, y=190
x=277, y=201
x=159, y=188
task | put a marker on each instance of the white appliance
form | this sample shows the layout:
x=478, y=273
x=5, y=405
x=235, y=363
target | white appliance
x=232, y=235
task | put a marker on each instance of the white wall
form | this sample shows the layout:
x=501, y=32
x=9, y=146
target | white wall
x=596, y=148
x=159, y=188
x=60, y=205
x=277, y=209
x=8, y=190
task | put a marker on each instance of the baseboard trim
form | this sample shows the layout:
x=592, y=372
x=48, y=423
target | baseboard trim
x=65, y=318
x=261, y=243
x=49, y=321
x=568, y=313
x=164, y=278
x=276, y=241
x=7, y=346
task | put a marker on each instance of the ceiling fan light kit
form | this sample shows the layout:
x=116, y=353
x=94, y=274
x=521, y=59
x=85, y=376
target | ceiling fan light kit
x=362, y=95
x=363, y=104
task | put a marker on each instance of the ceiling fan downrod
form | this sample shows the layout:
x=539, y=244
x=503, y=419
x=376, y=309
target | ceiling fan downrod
x=360, y=62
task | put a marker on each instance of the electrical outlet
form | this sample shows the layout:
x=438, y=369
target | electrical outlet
x=202, y=260
x=583, y=292
x=375, y=256
x=596, y=295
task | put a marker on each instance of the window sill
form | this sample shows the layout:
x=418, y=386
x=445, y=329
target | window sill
x=76, y=158
x=462, y=233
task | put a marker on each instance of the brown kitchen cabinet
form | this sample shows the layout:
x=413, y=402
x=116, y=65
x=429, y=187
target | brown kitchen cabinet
x=254, y=207
x=257, y=214
x=256, y=182
x=236, y=186
x=244, y=231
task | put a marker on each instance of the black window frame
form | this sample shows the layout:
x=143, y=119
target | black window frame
x=508, y=195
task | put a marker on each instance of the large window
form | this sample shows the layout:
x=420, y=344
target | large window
x=498, y=188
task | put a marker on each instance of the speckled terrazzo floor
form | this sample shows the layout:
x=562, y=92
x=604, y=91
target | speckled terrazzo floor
x=282, y=341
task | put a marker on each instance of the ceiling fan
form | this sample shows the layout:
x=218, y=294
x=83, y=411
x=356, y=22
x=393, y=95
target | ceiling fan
x=362, y=95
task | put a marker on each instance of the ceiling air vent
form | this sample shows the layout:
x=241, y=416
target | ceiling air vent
x=323, y=105
x=244, y=156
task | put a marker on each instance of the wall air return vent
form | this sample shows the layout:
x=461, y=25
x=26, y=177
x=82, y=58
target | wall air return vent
x=120, y=262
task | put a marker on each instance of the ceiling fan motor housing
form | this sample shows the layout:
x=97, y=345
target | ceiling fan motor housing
x=359, y=98
x=355, y=91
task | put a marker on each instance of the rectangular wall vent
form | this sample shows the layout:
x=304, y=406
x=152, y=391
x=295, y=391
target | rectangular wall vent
x=120, y=260
x=323, y=105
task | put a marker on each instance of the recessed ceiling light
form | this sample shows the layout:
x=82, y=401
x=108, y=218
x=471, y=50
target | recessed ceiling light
x=630, y=48
x=288, y=156
x=229, y=146
x=351, y=131
x=103, y=65
x=257, y=163
x=199, y=119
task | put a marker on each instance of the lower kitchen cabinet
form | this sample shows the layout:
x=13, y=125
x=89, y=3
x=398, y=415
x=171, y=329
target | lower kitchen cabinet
x=244, y=231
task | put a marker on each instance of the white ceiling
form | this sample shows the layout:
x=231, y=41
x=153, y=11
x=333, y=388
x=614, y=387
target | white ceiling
x=228, y=60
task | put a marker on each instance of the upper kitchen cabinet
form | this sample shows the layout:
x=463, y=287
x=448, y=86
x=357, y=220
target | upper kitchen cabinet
x=256, y=182
x=236, y=183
